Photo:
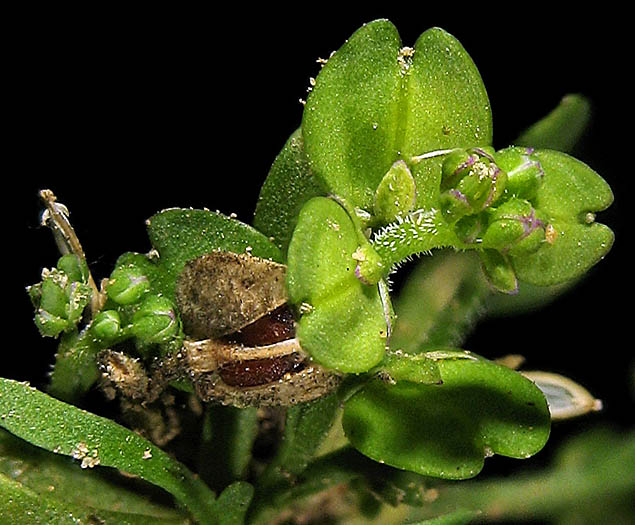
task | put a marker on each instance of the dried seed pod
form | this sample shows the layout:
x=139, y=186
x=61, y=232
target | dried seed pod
x=279, y=374
x=221, y=292
x=241, y=348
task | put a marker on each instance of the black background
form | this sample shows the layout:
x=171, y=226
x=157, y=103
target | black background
x=124, y=113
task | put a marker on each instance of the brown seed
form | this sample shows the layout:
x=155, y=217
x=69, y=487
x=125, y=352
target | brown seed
x=274, y=327
x=256, y=372
x=222, y=292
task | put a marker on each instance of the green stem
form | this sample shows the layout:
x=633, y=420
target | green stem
x=418, y=232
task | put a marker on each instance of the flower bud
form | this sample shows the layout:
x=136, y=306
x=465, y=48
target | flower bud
x=499, y=271
x=395, y=195
x=470, y=229
x=59, y=300
x=50, y=325
x=52, y=294
x=514, y=228
x=78, y=295
x=155, y=321
x=127, y=284
x=524, y=171
x=470, y=182
x=73, y=267
x=106, y=325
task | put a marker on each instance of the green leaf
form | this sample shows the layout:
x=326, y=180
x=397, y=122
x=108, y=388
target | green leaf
x=591, y=480
x=571, y=189
x=226, y=444
x=180, y=235
x=70, y=431
x=345, y=325
x=75, y=369
x=62, y=481
x=376, y=102
x=416, y=368
x=447, y=107
x=288, y=186
x=562, y=128
x=569, y=197
x=306, y=426
x=20, y=504
x=446, y=431
x=233, y=503
x=350, y=118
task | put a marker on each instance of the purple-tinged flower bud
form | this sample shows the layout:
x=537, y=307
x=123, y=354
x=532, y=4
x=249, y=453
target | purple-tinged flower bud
x=524, y=171
x=106, y=325
x=155, y=321
x=471, y=181
x=514, y=228
x=499, y=271
x=127, y=284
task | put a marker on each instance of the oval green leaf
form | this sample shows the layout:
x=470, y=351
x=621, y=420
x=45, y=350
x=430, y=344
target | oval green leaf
x=376, y=102
x=445, y=106
x=288, y=186
x=180, y=235
x=350, y=118
x=343, y=325
x=446, y=431
x=569, y=197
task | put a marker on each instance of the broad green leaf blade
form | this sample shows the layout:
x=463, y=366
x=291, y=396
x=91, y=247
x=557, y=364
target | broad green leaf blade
x=446, y=431
x=320, y=258
x=569, y=197
x=346, y=332
x=288, y=186
x=376, y=102
x=343, y=325
x=20, y=504
x=62, y=479
x=578, y=247
x=445, y=105
x=581, y=484
x=233, y=503
x=571, y=189
x=562, y=128
x=351, y=115
x=70, y=431
x=180, y=235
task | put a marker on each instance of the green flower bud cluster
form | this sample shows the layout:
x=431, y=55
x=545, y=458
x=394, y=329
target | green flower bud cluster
x=134, y=311
x=487, y=197
x=61, y=297
x=471, y=181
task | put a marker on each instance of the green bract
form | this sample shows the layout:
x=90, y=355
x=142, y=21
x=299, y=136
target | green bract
x=569, y=197
x=180, y=235
x=446, y=430
x=376, y=102
x=344, y=325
